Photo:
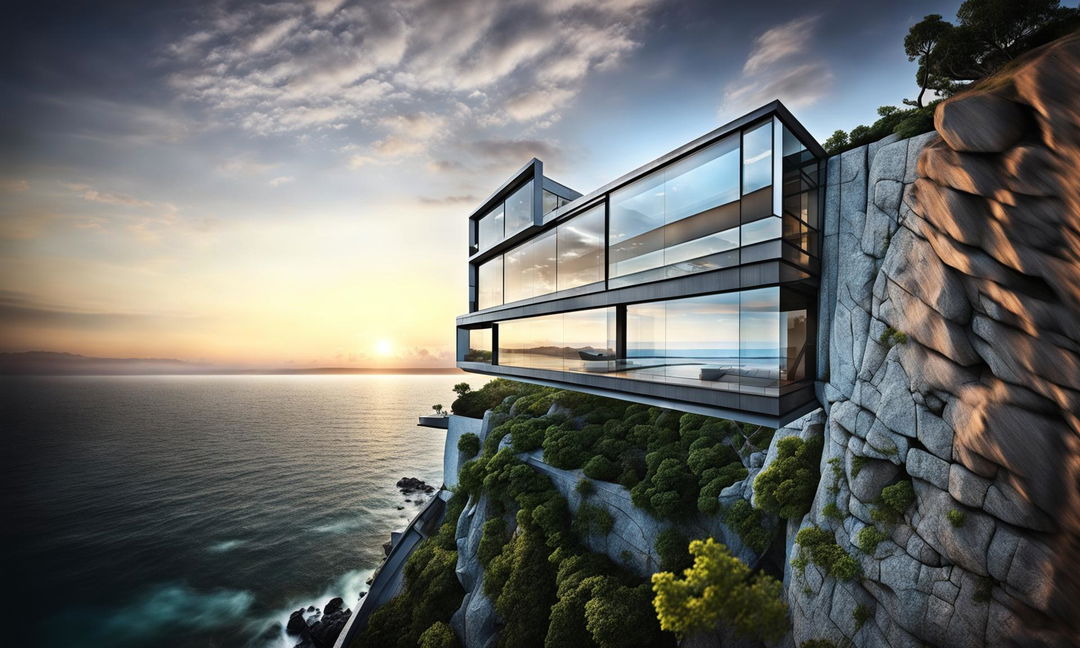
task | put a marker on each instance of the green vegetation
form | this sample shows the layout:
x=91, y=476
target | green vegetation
x=749, y=523
x=988, y=35
x=671, y=547
x=823, y=551
x=469, y=445
x=868, y=539
x=475, y=403
x=787, y=487
x=894, y=502
x=439, y=635
x=862, y=614
x=431, y=593
x=832, y=511
x=857, y=463
x=891, y=337
x=493, y=536
x=720, y=588
x=585, y=487
x=956, y=518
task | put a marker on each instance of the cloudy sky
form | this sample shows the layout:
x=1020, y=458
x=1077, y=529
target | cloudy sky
x=286, y=184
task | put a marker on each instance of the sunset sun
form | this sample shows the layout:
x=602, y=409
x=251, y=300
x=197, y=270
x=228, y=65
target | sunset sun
x=384, y=347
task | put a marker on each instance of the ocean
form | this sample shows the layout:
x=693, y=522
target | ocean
x=201, y=510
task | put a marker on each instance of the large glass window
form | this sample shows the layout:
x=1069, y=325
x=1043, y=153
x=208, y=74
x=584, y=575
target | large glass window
x=759, y=340
x=489, y=291
x=757, y=158
x=578, y=341
x=490, y=228
x=580, y=243
x=800, y=196
x=519, y=209
x=479, y=346
x=530, y=268
x=681, y=219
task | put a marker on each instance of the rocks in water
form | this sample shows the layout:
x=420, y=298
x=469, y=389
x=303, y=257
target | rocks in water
x=410, y=485
x=319, y=629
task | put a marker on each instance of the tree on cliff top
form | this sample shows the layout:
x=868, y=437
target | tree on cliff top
x=988, y=34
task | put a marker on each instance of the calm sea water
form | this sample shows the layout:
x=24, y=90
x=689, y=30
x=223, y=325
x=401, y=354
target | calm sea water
x=200, y=510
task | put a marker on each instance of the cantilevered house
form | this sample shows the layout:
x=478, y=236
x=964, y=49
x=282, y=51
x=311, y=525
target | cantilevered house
x=690, y=282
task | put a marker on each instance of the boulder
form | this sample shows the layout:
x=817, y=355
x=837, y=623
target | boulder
x=980, y=122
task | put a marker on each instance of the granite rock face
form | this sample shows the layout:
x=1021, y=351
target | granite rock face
x=951, y=324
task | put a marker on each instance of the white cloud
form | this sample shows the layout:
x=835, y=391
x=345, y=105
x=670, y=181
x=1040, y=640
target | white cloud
x=107, y=197
x=780, y=66
x=280, y=180
x=13, y=186
x=244, y=166
x=326, y=64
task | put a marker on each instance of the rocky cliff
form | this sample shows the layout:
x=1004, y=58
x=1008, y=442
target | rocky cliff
x=952, y=301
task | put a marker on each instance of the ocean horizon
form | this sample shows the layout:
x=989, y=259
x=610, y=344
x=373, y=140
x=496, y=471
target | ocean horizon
x=196, y=510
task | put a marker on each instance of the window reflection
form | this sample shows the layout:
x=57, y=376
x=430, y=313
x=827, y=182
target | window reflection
x=759, y=341
x=489, y=290
x=530, y=268
x=580, y=341
x=580, y=243
x=519, y=209
x=672, y=218
x=479, y=346
x=757, y=158
x=490, y=228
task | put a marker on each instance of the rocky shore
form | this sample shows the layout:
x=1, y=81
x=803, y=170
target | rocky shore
x=319, y=628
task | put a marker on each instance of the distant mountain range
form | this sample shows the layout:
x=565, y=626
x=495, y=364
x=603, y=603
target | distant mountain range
x=55, y=363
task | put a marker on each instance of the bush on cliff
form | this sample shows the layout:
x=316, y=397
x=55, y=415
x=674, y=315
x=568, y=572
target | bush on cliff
x=786, y=488
x=475, y=403
x=819, y=547
x=720, y=588
x=468, y=445
x=439, y=635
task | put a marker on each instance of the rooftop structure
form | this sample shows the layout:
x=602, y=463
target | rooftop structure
x=690, y=282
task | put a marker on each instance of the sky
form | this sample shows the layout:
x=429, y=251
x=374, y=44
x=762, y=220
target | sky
x=287, y=184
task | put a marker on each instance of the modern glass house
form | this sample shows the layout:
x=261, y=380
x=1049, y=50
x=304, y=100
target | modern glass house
x=690, y=282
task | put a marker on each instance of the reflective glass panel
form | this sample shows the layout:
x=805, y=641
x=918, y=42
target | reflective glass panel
x=759, y=341
x=757, y=158
x=519, y=209
x=534, y=342
x=479, y=346
x=489, y=291
x=702, y=181
x=530, y=268
x=581, y=249
x=490, y=228
x=761, y=230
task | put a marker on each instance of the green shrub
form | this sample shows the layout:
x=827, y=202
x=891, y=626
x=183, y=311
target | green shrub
x=894, y=502
x=668, y=491
x=601, y=468
x=862, y=614
x=592, y=520
x=621, y=615
x=527, y=435
x=431, y=593
x=564, y=447
x=831, y=510
x=585, y=487
x=824, y=552
x=748, y=522
x=528, y=592
x=787, y=487
x=493, y=536
x=710, y=457
x=475, y=403
x=469, y=445
x=857, y=463
x=719, y=588
x=438, y=635
x=868, y=539
x=891, y=337
x=956, y=518
x=671, y=546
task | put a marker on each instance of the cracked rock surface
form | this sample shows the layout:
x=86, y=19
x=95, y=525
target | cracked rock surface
x=967, y=243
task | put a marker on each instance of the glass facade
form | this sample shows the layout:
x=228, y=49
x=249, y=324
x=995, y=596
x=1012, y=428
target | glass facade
x=489, y=289
x=519, y=209
x=678, y=220
x=530, y=268
x=580, y=246
x=748, y=201
x=560, y=342
x=479, y=346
